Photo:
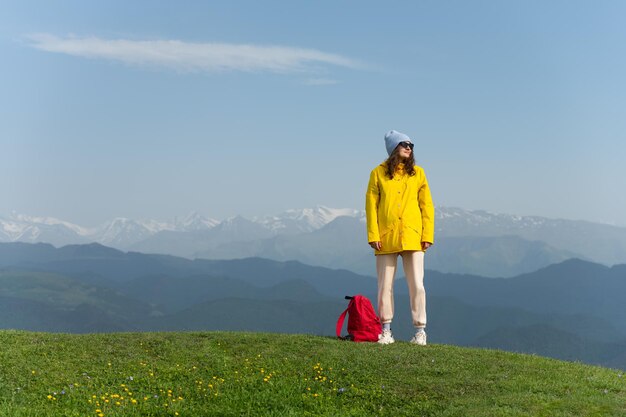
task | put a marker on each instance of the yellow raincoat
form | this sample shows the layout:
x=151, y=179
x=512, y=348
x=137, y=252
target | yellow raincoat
x=399, y=211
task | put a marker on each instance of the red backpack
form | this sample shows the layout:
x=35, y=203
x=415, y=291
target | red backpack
x=363, y=323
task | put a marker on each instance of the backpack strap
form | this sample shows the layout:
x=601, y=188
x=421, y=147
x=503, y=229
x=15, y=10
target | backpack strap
x=342, y=317
x=340, y=322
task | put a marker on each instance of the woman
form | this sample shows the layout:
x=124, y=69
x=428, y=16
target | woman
x=400, y=221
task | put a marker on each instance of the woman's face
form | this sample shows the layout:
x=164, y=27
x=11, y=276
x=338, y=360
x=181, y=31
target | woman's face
x=405, y=149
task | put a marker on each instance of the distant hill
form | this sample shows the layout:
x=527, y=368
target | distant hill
x=172, y=295
x=601, y=243
x=571, y=287
x=498, y=256
x=99, y=264
x=245, y=314
x=134, y=291
x=50, y=302
x=476, y=242
x=546, y=340
x=341, y=244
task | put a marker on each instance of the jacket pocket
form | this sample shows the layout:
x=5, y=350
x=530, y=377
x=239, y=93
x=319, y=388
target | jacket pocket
x=415, y=228
x=389, y=239
x=414, y=236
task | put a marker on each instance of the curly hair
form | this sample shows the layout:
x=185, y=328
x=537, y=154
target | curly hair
x=395, y=159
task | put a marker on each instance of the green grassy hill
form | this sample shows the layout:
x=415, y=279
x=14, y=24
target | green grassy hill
x=36, y=300
x=233, y=374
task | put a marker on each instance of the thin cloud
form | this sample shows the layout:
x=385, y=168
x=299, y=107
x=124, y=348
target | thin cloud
x=320, y=81
x=194, y=57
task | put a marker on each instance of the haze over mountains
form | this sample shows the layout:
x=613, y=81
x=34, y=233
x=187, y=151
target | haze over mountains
x=571, y=310
x=477, y=242
x=289, y=273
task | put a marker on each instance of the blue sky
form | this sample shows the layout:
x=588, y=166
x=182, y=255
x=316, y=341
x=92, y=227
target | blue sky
x=156, y=109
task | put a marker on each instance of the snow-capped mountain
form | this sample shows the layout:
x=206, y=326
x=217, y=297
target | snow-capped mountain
x=125, y=233
x=454, y=221
x=121, y=232
x=22, y=228
x=305, y=220
x=193, y=221
x=21, y=219
x=198, y=236
x=238, y=230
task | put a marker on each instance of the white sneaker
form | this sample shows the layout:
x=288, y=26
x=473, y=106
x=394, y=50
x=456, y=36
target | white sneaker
x=385, y=338
x=419, y=338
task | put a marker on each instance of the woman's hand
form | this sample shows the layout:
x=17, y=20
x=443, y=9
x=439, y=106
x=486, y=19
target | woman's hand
x=426, y=245
x=376, y=245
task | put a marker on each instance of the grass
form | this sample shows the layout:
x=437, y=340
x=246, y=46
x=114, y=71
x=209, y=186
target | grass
x=239, y=374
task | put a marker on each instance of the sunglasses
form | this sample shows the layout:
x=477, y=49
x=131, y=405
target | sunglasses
x=406, y=145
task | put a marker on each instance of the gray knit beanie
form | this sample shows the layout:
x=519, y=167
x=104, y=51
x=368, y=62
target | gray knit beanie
x=393, y=138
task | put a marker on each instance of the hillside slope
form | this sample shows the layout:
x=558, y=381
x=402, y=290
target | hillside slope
x=92, y=288
x=217, y=373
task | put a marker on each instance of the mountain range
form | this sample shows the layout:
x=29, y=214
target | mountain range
x=571, y=310
x=474, y=242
